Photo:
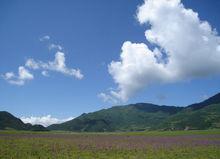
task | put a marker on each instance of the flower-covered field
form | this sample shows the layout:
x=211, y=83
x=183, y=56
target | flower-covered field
x=134, y=145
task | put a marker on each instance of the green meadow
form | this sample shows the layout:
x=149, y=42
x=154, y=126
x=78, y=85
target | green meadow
x=198, y=144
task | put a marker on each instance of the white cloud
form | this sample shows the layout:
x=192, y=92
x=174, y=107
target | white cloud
x=57, y=65
x=23, y=76
x=44, y=120
x=45, y=38
x=45, y=73
x=107, y=98
x=32, y=64
x=185, y=47
x=9, y=75
x=55, y=47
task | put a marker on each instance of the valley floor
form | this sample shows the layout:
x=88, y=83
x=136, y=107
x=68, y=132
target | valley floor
x=132, y=145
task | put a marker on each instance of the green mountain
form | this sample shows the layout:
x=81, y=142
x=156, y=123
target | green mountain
x=8, y=121
x=139, y=116
x=202, y=115
x=144, y=116
x=203, y=118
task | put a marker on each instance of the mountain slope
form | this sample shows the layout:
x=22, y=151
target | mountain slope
x=201, y=115
x=203, y=118
x=8, y=121
x=144, y=116
x=132, y=117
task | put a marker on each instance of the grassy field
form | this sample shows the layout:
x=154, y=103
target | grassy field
x=130, y=145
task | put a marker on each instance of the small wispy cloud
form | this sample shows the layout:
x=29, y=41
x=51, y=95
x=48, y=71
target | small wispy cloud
x=23, y=76
x=44, y=38
x=107, y=98
x=45, y=73
x=44, y=120
x=56, y=65
x=55, y=47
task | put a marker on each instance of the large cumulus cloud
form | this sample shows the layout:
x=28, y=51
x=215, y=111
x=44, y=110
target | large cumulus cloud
x=185, y=47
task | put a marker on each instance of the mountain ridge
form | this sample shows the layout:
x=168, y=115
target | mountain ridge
x=212, y=100
x=133, y=117
x=9, y=121
x=146, y=116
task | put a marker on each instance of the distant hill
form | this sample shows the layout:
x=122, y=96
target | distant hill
x=133, y=117
x=203, y=118
x=201, y=115
x=139, y=116
x=8, y=121
x=145, y=116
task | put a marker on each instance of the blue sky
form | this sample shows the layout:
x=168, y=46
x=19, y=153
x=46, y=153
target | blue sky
x=91, y=34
